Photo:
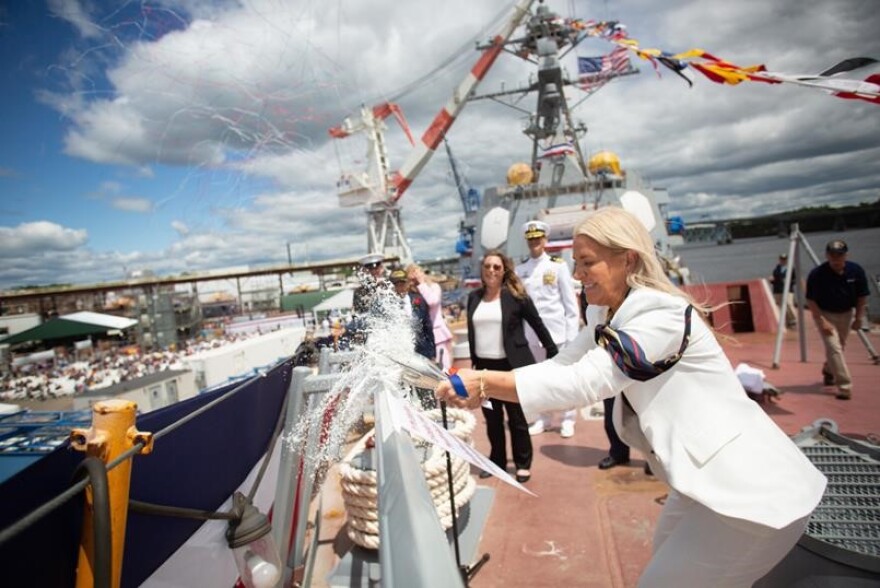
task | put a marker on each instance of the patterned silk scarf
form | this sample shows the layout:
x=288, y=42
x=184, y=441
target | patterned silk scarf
x=630, y=357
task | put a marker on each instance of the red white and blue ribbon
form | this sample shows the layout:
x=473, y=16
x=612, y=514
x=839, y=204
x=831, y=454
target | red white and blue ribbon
x=630, y=357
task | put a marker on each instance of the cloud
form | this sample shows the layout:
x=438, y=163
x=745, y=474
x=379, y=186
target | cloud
x=141, y=205
x=110, y=187
x=180, y=227
x=76, y=266
x=241, y=97
x=76, y=14
x=7, y=172
x=112, y=191
x=110, y=132
x=39, y=238
x=259, y=80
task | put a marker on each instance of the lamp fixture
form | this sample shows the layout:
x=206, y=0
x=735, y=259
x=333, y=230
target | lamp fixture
x=254, y=550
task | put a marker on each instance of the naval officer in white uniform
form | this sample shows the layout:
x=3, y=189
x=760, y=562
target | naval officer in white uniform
x=549, y=284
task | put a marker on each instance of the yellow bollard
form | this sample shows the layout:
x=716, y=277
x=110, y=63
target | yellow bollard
x=112, y=433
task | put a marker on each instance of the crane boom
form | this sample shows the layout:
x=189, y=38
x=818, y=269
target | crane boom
x=380, y=112
x=459, y=181
x=422, y=152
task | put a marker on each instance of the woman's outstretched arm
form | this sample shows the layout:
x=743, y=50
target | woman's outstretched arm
x=480, y=384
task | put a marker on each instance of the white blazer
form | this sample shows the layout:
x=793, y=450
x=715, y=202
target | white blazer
x=699, y=431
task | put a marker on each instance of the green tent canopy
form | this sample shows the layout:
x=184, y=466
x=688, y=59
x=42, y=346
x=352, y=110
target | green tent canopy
x=304, y=300
x=72, y=326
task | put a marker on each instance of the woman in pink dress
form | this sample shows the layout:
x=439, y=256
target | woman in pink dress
x=431, y=292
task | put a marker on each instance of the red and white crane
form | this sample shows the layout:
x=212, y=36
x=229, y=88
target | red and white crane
x=379, y=189
x=372, y=186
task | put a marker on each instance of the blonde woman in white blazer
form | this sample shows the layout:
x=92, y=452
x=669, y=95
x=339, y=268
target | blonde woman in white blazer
x=741, y=491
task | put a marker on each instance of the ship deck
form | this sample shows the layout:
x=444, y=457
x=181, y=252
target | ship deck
x=593, y=528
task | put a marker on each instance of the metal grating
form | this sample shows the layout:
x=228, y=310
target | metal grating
x=848, y=517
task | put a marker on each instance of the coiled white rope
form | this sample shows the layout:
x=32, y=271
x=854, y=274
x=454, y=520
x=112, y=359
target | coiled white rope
x=360, y=493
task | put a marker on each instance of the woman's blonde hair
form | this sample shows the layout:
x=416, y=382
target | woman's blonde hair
x=509, y=279
x=620, y=231
x=414, y=267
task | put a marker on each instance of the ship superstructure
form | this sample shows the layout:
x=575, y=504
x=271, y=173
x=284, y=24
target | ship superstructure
x=559, y=185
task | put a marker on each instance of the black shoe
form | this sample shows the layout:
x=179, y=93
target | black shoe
x=827, y=378
x=524, y=477
x=484, y=474
x=843, y=395
x=610, y=462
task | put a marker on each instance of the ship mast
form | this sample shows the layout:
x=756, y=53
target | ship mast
x=561, y=188
x=557, y=158
x=547, y=34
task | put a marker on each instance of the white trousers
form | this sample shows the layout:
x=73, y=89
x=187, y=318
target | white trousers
x=695, y=547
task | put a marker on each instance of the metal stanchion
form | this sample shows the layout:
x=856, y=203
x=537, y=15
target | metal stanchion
x=112, y=433
x=798, y=241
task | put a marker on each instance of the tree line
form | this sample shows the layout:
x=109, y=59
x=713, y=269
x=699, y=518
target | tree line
x=810, y=219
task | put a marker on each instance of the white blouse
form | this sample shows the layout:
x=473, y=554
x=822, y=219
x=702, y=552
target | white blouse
x=488, y=335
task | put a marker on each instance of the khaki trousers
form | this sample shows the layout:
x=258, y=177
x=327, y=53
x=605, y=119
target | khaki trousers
x=695, y=547
x=835, y=344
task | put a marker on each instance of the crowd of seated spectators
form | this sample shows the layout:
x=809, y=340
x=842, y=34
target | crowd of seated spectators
x=67, y=376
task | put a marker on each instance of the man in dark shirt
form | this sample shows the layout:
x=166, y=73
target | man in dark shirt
x=777, y=281
x=837, y=295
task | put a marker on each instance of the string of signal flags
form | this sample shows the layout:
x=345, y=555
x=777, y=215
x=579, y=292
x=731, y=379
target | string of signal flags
x=721, y=71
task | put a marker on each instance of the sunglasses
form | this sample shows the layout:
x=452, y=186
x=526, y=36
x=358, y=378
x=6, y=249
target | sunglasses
x=493, y=266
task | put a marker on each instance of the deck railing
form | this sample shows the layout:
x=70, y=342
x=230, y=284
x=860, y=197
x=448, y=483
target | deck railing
x=413, y=547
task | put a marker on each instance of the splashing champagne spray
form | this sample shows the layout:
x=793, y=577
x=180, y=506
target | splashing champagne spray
x=389, y=332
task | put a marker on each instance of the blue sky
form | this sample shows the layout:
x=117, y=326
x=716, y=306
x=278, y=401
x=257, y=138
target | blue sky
x=186, y=135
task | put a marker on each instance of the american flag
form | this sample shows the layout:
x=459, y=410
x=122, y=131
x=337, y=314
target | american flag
x=597, y=71
x=558, y=149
